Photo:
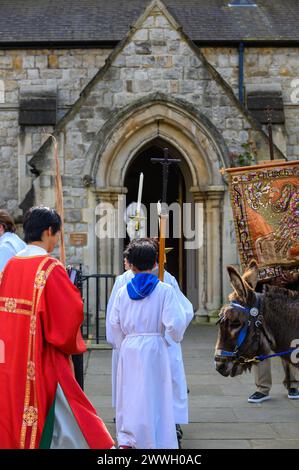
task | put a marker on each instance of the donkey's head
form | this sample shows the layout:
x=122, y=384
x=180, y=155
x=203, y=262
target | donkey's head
x=239, y=336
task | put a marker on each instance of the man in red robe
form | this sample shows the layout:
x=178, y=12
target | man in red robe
x=41, y=404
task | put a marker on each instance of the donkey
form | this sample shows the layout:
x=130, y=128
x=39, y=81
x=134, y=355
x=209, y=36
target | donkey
x=254, y=324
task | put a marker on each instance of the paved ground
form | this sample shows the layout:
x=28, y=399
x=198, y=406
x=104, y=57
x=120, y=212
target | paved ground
x=220, y=416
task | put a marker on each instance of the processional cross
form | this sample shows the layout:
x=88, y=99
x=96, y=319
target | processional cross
x=165, y=162
x=269, y=111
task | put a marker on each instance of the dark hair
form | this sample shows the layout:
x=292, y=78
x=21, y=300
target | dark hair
x=141, y=253
x=37, y=220
x=7, y=221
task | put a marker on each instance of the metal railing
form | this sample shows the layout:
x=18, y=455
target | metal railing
x=95, y=290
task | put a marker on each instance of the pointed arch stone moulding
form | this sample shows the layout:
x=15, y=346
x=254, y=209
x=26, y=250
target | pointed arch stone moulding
x=156, y=115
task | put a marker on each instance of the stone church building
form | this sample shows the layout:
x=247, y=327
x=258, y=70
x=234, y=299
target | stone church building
x=116, y=82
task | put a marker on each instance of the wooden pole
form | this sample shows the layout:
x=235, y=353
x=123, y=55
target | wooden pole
x=165, y=162
x=269, y=111
x=163, y=225
x=59, y=199
x=181, y=240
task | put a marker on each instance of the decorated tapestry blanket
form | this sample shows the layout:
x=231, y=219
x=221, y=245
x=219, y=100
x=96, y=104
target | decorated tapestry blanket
x=265, y=202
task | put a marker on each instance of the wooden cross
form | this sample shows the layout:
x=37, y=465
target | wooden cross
x=165, y=162
x=269, y=111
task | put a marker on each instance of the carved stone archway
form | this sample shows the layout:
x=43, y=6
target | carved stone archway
x=204, y=153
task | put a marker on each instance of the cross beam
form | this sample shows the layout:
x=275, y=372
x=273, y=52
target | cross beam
x=269, y=112
x=165, y=162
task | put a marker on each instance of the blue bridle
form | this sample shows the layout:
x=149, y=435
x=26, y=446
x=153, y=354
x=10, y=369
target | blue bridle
x=251, y=312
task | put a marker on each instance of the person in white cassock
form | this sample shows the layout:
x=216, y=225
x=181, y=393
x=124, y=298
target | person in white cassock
x=180, y=396
x=10, y=243
x=143, y=312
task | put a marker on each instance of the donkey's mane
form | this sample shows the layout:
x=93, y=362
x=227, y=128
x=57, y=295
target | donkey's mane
x=284, y=294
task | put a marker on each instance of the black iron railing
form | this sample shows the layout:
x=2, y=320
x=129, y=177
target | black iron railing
x=95, y=290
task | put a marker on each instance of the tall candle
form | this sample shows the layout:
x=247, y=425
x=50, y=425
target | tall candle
x=139, y=194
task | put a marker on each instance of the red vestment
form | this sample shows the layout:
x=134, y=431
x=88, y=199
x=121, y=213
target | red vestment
x=40, y=317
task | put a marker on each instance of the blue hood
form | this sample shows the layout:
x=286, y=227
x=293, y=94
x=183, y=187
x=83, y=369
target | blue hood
x=142, y=285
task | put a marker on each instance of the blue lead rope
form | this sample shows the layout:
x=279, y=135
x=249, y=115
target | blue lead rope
x=261, y=357
x=268, y=356
x=243, y=333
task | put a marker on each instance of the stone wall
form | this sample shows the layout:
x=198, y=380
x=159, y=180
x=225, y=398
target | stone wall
x=269, y=66
x=96, y=86
x=70, y=70
x=67, y=71
x=155, y=58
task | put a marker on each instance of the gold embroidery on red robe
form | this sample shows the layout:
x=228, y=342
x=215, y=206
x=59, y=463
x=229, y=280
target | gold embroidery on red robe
x=30, y=416
x=32, y=325
x=10, y=305
x=31, y=370
x=40, y=280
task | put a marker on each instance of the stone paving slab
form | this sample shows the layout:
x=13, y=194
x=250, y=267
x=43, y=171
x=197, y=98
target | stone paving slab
x=277, y=391
x=287, y=430
x=208, y=415
x=219, y=401
x=274, y=415
x=216, y=444
x=220, y=416
x=275, y=444
x=233, y=430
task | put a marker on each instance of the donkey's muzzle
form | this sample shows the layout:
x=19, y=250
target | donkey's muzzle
x=228, y=366
x=222, y=368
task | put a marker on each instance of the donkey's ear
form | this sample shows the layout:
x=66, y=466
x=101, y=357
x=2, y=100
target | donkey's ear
x=251, y=274
x=252, y=264
x=237, y=282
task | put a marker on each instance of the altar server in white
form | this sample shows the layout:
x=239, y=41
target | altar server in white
x=180, y=396
x=145, y=310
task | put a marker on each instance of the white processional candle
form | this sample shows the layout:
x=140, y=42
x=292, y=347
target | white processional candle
x=139, y=194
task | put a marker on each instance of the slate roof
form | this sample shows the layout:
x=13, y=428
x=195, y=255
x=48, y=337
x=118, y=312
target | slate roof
x=102, y=21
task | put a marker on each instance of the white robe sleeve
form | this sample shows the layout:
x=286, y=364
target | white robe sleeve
x=185, y=304
x=173, y=318
x=115, y=289
x=117, y=335
x=6, y=253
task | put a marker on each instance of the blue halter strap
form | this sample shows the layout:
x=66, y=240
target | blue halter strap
x=252, y=312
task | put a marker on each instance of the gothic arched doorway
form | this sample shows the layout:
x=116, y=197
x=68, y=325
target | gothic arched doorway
x=112, y=164
x=152, y=193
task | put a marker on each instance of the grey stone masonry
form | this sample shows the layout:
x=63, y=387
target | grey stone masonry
x=32, y=71
x=265, y=66
x=93, y=84
x=156, y=57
